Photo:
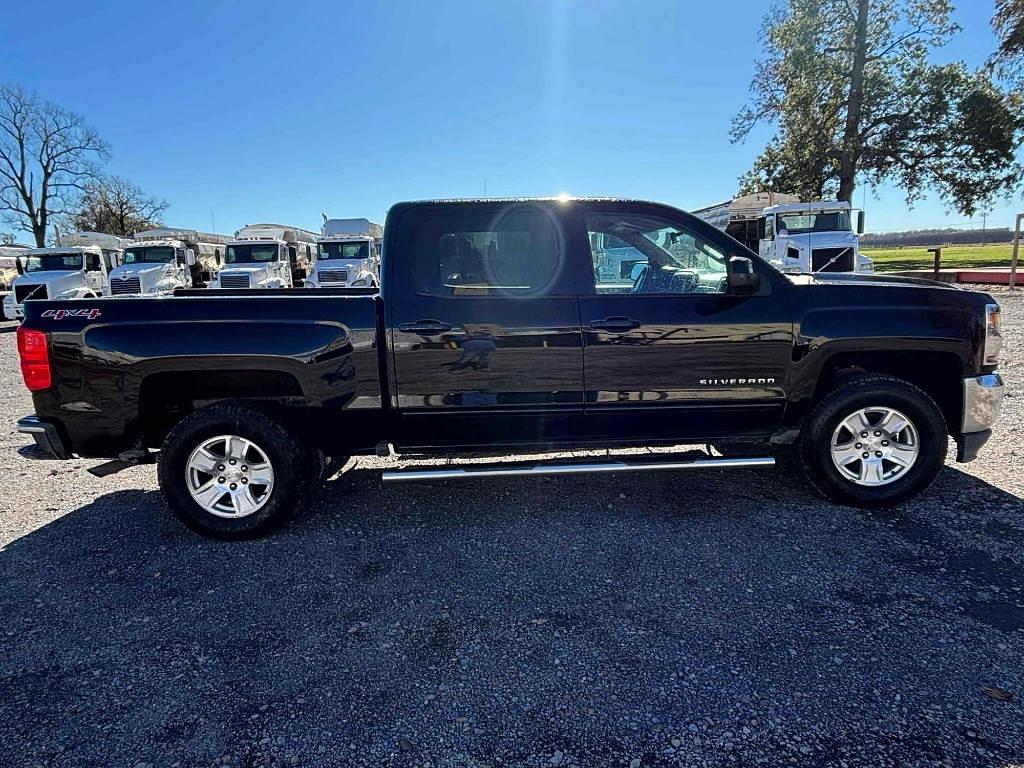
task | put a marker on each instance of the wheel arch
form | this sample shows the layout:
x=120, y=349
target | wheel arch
x=165, y=398
x=937, y=373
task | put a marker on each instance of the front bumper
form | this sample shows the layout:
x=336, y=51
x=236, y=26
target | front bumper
x=46, y=436
x=983, y=400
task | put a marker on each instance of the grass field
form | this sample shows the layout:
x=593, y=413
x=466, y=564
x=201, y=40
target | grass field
x=953, y=257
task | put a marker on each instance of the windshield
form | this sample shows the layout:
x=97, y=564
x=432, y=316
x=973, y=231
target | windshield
x=244, y=254
x=160, y=254
x=54, y=262
x=356, y=251
x=803, y=223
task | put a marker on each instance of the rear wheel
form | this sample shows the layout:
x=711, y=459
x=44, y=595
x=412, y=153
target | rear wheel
x=874, y=441
x=232, y=471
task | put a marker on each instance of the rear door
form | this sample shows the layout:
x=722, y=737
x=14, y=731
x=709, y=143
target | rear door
x=484, y=325
x=668, y=353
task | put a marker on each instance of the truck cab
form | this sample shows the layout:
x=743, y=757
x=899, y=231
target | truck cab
x=153, y=268
x=348, y=255
x=64, y=272
x=812, y=237
x=266, y=256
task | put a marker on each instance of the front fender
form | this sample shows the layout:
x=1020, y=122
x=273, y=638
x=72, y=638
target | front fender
x=893, y=334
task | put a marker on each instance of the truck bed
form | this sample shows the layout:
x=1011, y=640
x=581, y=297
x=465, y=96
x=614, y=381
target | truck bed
x=113, y=356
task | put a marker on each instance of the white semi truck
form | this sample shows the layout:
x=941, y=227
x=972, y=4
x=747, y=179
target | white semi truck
x=9, y=263
x=348, y=254
x=78, y=268
x=159, y=261
x=266, y=256
x=8, y=272
x=793, y=236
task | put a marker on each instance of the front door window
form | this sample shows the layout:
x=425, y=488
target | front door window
x=641, y=254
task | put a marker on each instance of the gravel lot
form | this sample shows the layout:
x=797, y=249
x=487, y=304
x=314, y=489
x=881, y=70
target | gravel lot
x=673, y=619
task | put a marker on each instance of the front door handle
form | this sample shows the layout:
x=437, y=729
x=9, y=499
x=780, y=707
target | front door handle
x=615, y=324
x=425, y=327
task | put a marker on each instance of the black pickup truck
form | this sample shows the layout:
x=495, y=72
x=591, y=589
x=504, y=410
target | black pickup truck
x=506, y=326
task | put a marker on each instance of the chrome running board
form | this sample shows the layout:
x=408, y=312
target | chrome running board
x=497, y=470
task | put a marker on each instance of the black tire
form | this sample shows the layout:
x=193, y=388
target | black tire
x=290, y=460
x=869, y=391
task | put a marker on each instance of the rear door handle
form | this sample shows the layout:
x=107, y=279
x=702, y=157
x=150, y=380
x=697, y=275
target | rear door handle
x=616, y=324
x=425, y=327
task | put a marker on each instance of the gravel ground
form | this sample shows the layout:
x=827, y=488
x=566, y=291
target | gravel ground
x=656, y=620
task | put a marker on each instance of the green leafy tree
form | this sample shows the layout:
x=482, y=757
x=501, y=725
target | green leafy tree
x=1008, y=60
x=850, y=89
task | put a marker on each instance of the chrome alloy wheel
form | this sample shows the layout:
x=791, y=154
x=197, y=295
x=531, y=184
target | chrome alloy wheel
x=875, y=446
x=229, y=476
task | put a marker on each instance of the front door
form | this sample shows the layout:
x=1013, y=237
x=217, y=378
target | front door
x=484, y=324
x=668, y=353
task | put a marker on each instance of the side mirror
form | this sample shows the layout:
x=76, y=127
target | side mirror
x=860, y=222
x=19, y=266
x=190, y=257
x=741, y=279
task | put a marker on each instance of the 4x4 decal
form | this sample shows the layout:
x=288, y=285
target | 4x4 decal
x=60, y=314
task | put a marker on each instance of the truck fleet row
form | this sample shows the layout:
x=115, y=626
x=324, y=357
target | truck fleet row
x=793, y=236
x=157, y=262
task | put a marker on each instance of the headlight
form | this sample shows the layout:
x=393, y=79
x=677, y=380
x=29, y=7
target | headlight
x=360, y=283
x=993, y=345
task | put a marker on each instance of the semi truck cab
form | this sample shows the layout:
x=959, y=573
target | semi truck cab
x=152, y=268
x=793, y=236
x=350, y=262
x=348, y=254
x=266, y=256
x=63, y=272
x=812, y=237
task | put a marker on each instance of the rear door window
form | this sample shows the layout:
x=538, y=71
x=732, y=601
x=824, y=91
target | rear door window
x=488, y=251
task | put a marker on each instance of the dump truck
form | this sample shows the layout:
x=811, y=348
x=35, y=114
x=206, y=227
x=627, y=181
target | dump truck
x=347, y=255
x=791, y=235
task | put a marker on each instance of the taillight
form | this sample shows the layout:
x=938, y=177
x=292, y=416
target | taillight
x=35, y=359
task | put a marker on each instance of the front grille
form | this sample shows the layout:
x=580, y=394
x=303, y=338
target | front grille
x=234, y=281
x=21, y=292
x=822, y=256
x=334, y=276
x=125, y=286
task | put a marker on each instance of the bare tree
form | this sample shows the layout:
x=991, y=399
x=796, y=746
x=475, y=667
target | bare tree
x=47, y=156
x=115, y=205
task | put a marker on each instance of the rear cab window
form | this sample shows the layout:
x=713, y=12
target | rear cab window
x=489, y=250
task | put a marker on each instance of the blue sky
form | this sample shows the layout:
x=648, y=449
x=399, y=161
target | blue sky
x=264, y=111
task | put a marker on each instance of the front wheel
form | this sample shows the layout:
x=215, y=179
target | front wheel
x=874, y=441
x=232, y=471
